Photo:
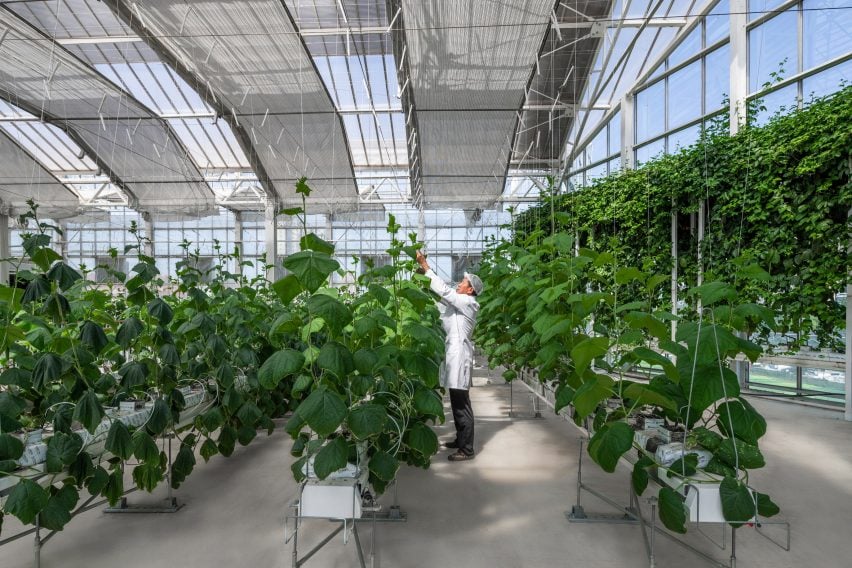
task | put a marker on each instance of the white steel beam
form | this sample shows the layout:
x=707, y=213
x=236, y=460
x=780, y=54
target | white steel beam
x=739, y=63
x=321, y=32
x=5, y=252
x=94, y=40
x=626, y=23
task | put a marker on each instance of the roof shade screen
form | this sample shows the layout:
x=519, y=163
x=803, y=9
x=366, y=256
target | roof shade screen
x=470, y=63
x=250, y=59
x=48, y=81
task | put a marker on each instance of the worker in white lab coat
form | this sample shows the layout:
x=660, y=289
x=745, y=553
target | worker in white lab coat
x=458, y=319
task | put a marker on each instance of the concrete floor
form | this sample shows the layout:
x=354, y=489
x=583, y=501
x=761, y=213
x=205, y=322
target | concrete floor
x=503, y=509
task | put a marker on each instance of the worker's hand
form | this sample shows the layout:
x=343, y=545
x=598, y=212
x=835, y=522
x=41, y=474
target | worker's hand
x=421, y=260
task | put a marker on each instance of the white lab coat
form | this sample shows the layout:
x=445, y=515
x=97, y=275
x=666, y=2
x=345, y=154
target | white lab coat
x=458, y=319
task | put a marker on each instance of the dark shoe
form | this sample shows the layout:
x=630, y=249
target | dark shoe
x=460, y=456
x=454, y=445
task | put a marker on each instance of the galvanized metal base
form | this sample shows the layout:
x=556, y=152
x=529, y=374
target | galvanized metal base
x=172, y=506
x=578, y=515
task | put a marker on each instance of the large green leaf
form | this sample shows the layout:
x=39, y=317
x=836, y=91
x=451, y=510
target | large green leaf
x=44, y=257
x=651, y=356
x=26, y=500
x=592, y=392
x=287, y=288
x=323, y=411
x=426, y=335
x=160, y=310
x=336, y=358
x=114, y=488
x=11, y=447
x=639, y=476
x=417, y=298
x=380, y=293
x=609, y=443
x=585, y=352
x=144, y=447
x=128, y=331
x=421, y=367
x=644, y=395
x=48, y=368
x=422, y=439
x=133, y=374
x=182, y=466
x=92, y=336
x=160, y=417
x=57, y=512
x=428, y=403
x=706, y=385
x=672, y=510
x=336, y=314
x=765, y=506
x=311, y=268
x=367, y=419
x=738, y=418
x=384, y=465
x=737, y=453
x=88, y=411
x=312, y=242
x=713, y=292
x=63, y=275
x=279, y=365
x=365, y=361
x=62, y=450
x=564, y=396
x=644, y=320
x=738, y=503
x=37, y=288
x=118, y=440
x=559, y=328
x=331, y=457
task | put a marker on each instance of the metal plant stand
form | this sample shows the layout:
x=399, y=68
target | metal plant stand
x=393, y=514
x=535, y=398
x=171, y=506
x=632, y=514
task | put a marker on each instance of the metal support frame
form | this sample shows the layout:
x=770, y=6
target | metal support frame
x=393, y=514
x=848, y=413
x=4, y=249
x=39, y=542
x=172, y=505
x=534, y=398
x=632, y=514
x=271, y=236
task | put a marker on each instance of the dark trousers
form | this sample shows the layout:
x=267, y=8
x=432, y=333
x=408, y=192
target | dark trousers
x=463, y=419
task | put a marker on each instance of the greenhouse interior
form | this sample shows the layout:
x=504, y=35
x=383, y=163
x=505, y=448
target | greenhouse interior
x=403, y=283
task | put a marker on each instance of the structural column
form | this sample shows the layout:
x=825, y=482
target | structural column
x=238, y=238
x=5, y=249
x=738, y=63
x=271, y=234
x=848, y=378
x=627, y=126
x=148, y=225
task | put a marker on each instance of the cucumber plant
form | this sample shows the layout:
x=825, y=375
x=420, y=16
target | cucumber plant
x=562, y=311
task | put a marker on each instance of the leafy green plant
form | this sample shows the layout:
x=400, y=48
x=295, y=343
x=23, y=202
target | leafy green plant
x=357, y=367
x=585, y=322
x=363, y=363
x=777, y=195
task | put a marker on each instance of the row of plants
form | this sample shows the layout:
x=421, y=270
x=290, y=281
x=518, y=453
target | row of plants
x=777, y=195
x=585, y=321
x=355, y=368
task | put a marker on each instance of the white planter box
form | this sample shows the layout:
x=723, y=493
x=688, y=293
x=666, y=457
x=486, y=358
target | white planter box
x=700, y=497
x=332, y=499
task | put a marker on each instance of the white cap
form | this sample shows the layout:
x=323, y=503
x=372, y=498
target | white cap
x=475, y=282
